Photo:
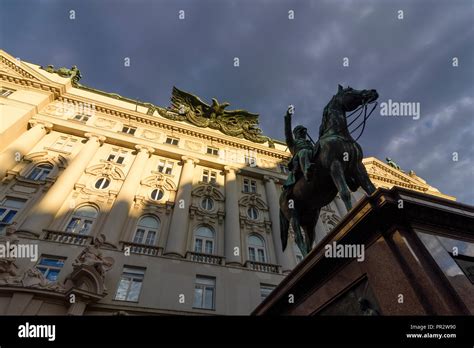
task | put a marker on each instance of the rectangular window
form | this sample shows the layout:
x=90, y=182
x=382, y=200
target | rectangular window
x=50, y=266
x=150, y=238
x=82, y=118
x=5, y=92
x=212, y=151
x=138, y=239
x=130, y=284
x=165, y=167
x=172, y=141
x=204, y=292
x=265, y=290
x=209, y=176
x=9, y=207
x=129, y=130
x=198, y=245
x=250, y=186
x=64, y=144
x=117, y=156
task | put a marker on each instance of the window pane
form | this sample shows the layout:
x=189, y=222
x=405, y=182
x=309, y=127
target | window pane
x=204, y=231
x=252, y=254
x=209, y=298
x=34, y=173
x=198, y=297
x=122, y=289
x=9, y=216
x=150, y=238
x=14, y=202
x=86, y=211
x=44, y=174
x=261, y=255
x=198, y=245
x=51, y=262
x=86, y=227
x=139, y=236
x=53, y=275
x=254, y=240
x=72, y=224
x=134, y=290
x=209, y=248
x=150, y=222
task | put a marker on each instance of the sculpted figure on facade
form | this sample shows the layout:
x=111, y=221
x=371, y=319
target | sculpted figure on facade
x=8, y=269
x=92, y=256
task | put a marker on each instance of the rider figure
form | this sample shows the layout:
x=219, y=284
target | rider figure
x=300, y=147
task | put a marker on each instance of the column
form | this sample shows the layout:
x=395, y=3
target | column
x=232, y=219
x=285, y=259
x=119, y=213
x=178, y=232
x=45, y=210
x=22, y=145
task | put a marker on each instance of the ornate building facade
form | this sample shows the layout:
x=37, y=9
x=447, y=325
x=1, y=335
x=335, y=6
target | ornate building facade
x=138, y=209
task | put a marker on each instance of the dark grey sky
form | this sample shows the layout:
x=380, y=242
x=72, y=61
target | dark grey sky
x=282, y=62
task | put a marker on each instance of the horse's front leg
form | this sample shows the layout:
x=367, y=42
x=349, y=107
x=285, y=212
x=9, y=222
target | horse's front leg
x=337, y=175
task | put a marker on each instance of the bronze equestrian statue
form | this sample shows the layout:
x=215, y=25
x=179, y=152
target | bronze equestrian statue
x=318, y=172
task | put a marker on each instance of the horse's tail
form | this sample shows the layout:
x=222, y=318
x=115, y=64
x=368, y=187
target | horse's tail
x=284, y=227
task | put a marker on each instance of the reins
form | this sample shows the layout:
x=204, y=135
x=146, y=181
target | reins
x=363, y=107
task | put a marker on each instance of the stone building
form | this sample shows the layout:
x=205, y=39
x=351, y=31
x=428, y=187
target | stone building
x=138, y=209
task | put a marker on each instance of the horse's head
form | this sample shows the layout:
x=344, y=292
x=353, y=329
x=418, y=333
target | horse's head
x=350, y=99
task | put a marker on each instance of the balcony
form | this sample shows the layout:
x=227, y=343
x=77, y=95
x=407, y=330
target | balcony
x=263, y=267
x=142, y=249
x=67, y=237
x=205, y=258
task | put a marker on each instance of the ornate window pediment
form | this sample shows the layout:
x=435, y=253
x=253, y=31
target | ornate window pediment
x=159, y=180
x=208, y=191
x=106, y=170
x=253, y=200
x=58, y=161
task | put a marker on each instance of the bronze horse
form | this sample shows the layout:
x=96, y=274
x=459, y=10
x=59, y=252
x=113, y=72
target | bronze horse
x=337, y=167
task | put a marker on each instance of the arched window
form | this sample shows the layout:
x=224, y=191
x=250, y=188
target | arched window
x=82, y=220
x=40, y=172
x=204, y=240
x=252, y=213
x=147, y=230
x=102, y=183
x=256, y=247
x=207, y=203
x=157, y=194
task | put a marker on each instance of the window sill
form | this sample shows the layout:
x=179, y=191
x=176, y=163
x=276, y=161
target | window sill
x=112, y=162
x=57, y=150
x=127, y=301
